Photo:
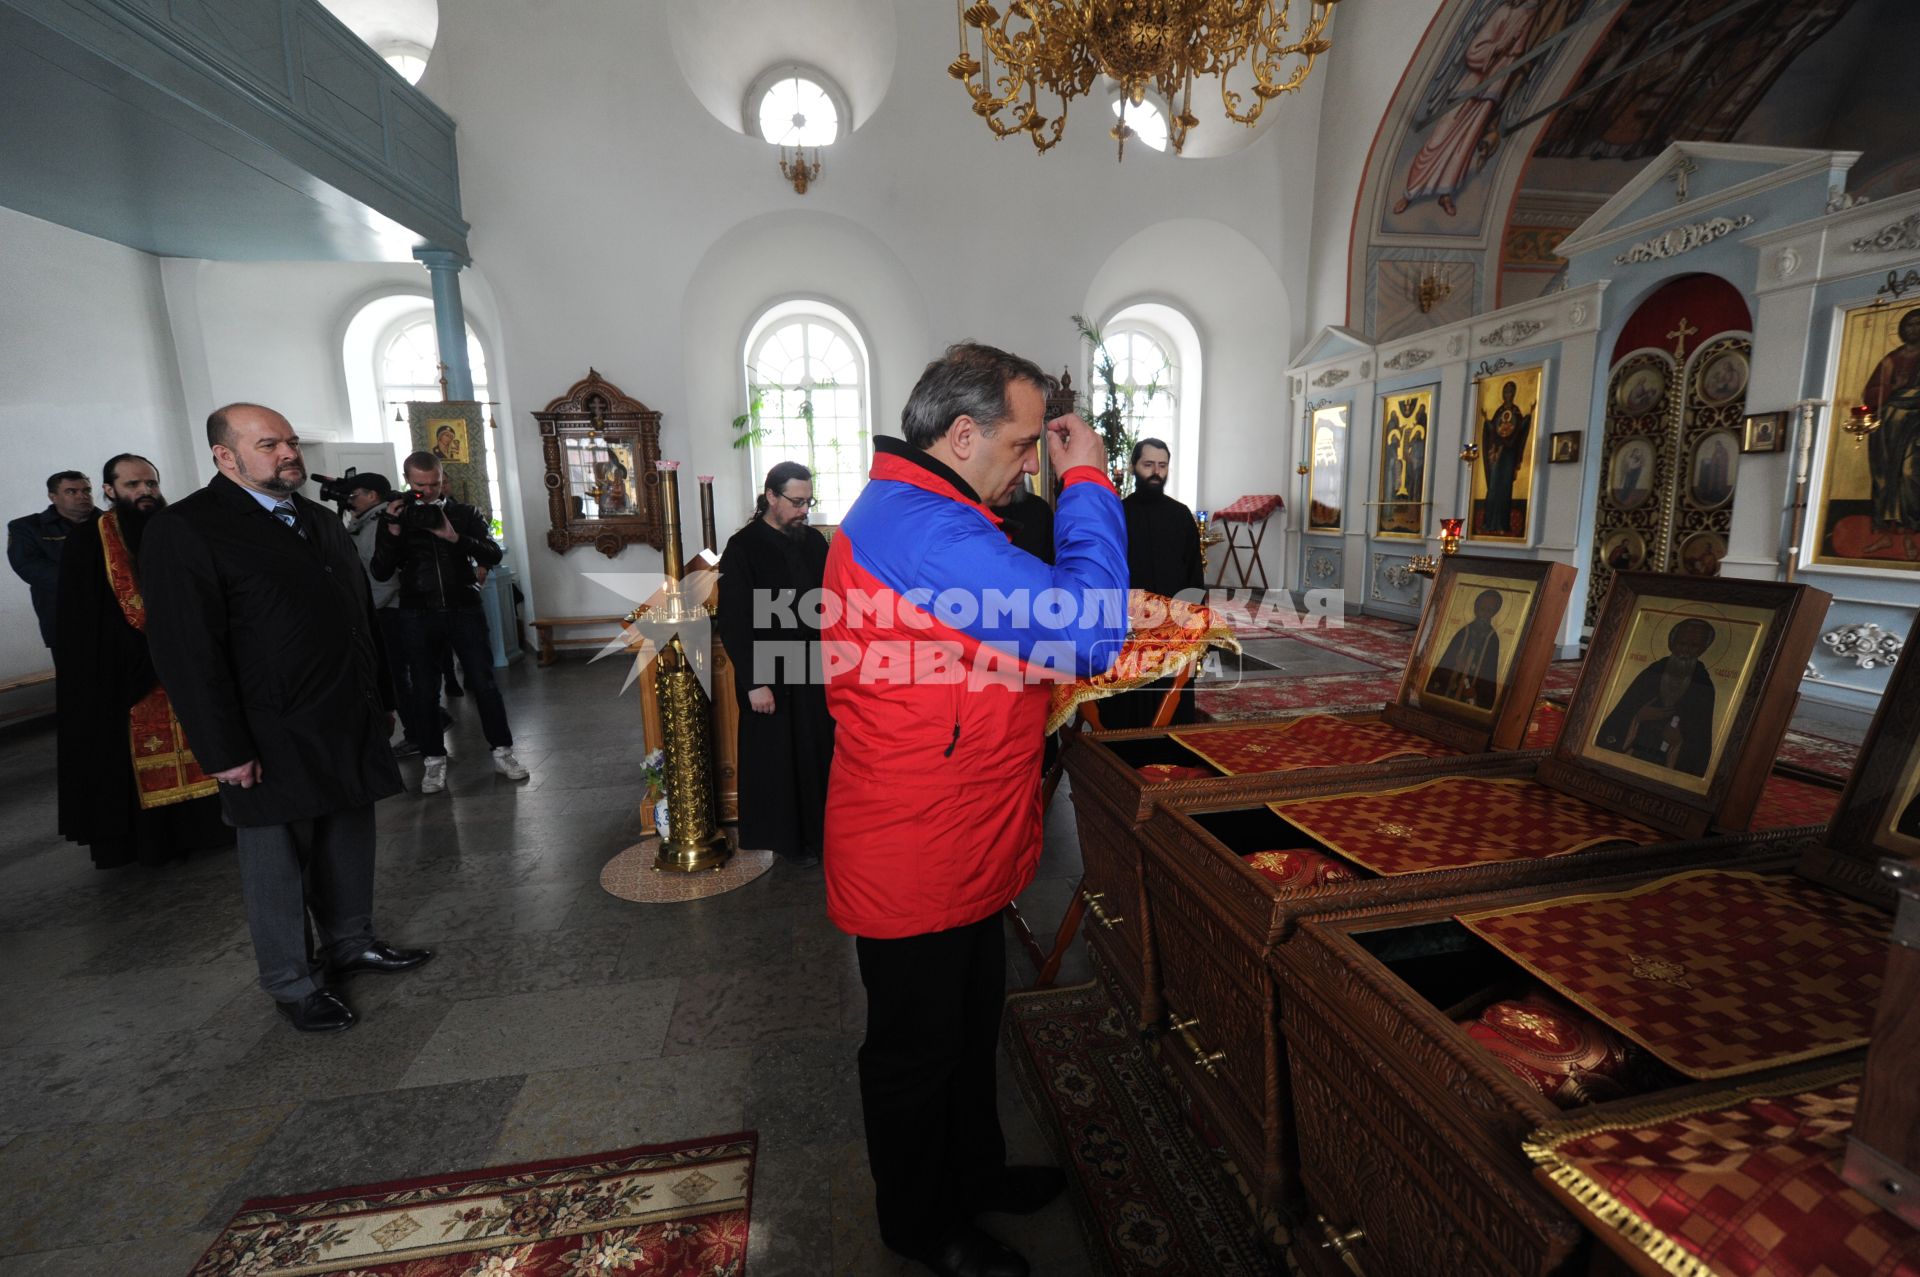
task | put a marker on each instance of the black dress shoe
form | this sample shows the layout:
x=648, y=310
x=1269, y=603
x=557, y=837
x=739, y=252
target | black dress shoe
x=1026, y=1189
x=968, y=1252
x=321, y=1011
x=384, y=958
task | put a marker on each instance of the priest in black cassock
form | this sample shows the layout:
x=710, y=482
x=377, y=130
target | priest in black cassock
x=1163, y=556
x=129, y=788
x=786, y=735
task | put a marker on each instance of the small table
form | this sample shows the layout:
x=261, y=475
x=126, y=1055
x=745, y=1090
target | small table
x=1248, y=515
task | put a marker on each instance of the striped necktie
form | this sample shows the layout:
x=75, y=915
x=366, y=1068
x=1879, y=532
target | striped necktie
x=285, y=512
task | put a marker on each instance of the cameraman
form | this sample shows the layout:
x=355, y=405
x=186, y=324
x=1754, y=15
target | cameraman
x=364, y=497
x=430, y=542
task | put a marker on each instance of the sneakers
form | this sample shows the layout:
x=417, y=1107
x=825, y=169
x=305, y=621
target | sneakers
x=434, y=779
x=507, y=765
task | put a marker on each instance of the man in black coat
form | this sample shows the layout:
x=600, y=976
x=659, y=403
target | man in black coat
x=1163, y=556
x=261, y=626
x=430, y=551
x=129, y=789
x=785, y=735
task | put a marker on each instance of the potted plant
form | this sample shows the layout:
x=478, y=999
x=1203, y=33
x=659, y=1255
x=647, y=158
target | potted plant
x=1117, y=407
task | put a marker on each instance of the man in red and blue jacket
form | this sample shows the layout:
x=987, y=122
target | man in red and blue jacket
x=939, y=644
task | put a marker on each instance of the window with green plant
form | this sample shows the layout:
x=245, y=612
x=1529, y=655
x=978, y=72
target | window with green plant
x=1132, y=394
x=806, y=386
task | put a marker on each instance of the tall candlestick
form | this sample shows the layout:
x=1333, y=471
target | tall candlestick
x=710, y=539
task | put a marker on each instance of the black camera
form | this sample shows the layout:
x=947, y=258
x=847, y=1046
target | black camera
x=339, y=488
x=417, y=515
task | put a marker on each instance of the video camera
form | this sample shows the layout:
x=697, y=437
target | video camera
x=415, y=516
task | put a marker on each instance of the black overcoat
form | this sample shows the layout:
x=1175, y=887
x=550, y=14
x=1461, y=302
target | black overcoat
x=264, y=640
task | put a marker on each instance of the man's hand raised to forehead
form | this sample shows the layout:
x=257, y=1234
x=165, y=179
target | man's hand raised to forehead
x=1072, y=442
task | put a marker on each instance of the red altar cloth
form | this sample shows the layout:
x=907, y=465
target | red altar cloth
x=1735, y=1184
x=1458, y=820
x=1250, y=509
x=1717, y=972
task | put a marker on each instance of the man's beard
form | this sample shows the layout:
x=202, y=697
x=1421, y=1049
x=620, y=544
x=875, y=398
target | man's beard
x=797, y=530
x=1149, y=484
x=134, y=515
x=278, y=480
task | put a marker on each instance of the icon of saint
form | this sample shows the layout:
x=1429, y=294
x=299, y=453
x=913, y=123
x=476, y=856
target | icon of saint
x=1665, y=716
x=1469, y=670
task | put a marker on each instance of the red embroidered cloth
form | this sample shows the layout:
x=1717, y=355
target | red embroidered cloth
x=1458, y=820
x=1787, y=802
x=1544, y=728
x=1299, y=868
x=1734, y=1184
x=1250, y=509
x=1313, y=740
x=1164, y=636
x=1717, y=972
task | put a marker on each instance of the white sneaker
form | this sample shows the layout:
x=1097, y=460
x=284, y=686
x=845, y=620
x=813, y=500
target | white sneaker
x=434, y=779
x=507, y=765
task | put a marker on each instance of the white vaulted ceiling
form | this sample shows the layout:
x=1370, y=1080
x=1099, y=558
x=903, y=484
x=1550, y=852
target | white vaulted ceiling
x=722, y=45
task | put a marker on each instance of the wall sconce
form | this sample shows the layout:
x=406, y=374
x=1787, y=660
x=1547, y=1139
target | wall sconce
x=1861, y=421
x=799, y=170
x=1450, y=535
x=1303, y=469
x=1470, y=453
x=1432, y=288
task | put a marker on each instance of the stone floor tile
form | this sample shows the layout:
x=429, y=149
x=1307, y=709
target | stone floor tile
x=373, y=1139
x=753, y=1005
x=699, y=941
x=484, y=912
x=284, y=1064
x=113, y=1183
x=825, y=1071
x=608, y=1107
x=540, y=1032
x=89, y=1008
x=172, y=1254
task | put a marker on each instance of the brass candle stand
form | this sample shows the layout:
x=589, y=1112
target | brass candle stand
x=694, y=840
x=708, y=537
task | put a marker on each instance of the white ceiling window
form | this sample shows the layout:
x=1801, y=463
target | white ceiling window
x=1148, y=122
x=410, y=65
x=795, y=106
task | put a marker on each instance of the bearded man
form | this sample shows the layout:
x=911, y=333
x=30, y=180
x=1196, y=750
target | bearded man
x=130, y=789
x=1163, y=557
x=785, y=733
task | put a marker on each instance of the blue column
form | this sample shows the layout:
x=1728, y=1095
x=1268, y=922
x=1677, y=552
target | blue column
x=449, y=317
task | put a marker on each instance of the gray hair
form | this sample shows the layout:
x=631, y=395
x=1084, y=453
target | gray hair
x=969, y=380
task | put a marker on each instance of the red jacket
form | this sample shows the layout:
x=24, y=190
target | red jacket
x=940, y=641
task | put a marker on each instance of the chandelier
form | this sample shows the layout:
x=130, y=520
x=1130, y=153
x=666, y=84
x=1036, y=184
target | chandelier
x=1061, y=46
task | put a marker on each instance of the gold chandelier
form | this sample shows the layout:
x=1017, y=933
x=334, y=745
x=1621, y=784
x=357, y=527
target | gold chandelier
x=1061, y=46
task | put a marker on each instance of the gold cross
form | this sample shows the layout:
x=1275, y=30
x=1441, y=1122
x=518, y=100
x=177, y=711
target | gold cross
x=1680, y=335
x=1678, y=176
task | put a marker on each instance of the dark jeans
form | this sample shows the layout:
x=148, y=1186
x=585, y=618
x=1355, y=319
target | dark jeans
x=927, y=1078
x=426, y=634
x=321, y=867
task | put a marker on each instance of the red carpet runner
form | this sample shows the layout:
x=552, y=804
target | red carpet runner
x=667, y=1211
x=1151, y=1199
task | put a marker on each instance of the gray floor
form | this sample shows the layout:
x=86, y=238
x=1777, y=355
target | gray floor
x=147, y=1087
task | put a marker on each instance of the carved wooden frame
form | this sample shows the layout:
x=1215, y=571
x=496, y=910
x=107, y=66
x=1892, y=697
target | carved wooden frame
x=1753, y=731
x=595, y=407
x=1885, y=775
x=1505, y=726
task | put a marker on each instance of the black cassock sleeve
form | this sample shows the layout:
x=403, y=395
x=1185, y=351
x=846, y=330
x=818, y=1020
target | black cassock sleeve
x=736, y=612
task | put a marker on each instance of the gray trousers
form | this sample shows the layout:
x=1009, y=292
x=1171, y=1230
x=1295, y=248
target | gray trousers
x=321, y=867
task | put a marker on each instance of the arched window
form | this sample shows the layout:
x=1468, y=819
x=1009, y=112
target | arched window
x=406, y=368
x=807, y=390
x=1156, y=374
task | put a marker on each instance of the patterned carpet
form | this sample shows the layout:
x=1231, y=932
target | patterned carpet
x=666, y=1211
x=1388, y=644
x=1151, y=1199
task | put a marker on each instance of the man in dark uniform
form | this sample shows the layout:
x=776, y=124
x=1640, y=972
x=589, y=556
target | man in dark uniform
x=261, y=625
x=34, y=543
x=1163, y=556
x=786, y=735
x=129, y=787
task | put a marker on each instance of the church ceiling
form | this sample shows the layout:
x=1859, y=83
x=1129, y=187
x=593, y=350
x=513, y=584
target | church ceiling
x=1518, y=118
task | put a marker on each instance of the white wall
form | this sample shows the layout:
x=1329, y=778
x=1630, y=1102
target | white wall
x=86, y=370
x=1373, y=42
x=621, y=226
